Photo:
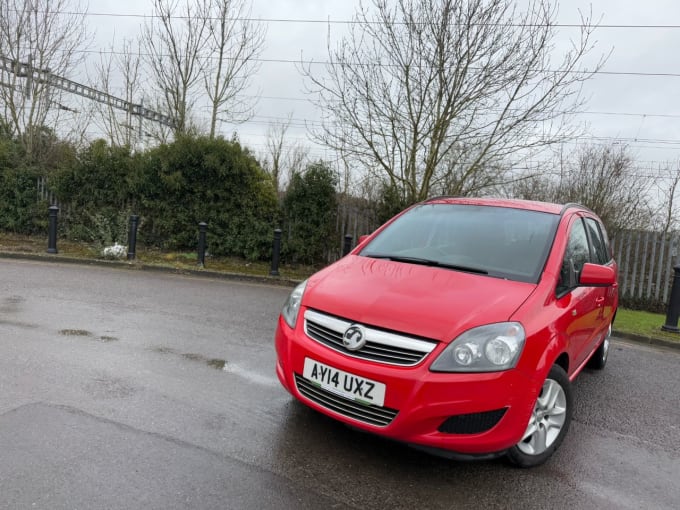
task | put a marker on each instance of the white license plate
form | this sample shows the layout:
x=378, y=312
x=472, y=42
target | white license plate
x=345, y=384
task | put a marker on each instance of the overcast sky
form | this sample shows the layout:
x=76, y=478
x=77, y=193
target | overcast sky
x=641, y=111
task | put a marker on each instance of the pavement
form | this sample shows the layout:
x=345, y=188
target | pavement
x=270, y=280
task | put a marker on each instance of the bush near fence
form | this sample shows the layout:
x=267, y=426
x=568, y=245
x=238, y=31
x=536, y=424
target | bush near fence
x=173, y=188
x=308, y=210
x=214, y=181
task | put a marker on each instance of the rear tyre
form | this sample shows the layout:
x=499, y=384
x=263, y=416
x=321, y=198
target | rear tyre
x=599, y=358
x=548, y=423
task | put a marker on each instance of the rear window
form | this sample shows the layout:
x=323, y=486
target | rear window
x=498, y=241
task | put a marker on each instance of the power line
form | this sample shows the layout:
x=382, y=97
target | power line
x=574, y=112
x=634, y=142
x=647, y=143
x=381, y=65
x=329, y=21
x=627, y=114
x=303, y=121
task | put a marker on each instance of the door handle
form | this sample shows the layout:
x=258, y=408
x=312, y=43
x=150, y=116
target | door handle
x=599, y=301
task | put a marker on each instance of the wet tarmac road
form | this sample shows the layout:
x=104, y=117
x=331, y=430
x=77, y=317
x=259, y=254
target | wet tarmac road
x=129, y=389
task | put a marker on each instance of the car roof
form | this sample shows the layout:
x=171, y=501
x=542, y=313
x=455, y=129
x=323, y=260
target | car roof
x=530, y=205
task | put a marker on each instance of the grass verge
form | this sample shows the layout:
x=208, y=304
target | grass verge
x=645, y=324
x=177, y=260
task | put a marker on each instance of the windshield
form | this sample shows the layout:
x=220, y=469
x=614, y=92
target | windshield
x=498, y=241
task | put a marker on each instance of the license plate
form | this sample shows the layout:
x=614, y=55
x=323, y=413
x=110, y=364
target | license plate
x=343, y=383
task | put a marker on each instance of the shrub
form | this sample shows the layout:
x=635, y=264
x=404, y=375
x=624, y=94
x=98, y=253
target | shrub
x=309, y=212
x=21, y=210
x=216, y=181
x=98, y=192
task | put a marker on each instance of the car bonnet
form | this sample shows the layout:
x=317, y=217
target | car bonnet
x=428, y=302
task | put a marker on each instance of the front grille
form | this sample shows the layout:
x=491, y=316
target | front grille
x=373, y=415
x=474, y=423
x=381, y=346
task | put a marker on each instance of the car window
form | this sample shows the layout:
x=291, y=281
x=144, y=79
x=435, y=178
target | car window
x=600, y=252
x=499, y=241
x=576, y=254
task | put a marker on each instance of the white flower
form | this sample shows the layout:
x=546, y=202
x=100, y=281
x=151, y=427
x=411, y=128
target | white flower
x=117, y=251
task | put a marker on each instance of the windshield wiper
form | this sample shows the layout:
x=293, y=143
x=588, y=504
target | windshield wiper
x=425, y=262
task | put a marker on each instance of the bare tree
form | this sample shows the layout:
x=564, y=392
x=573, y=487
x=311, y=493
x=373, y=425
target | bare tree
x=455, y=179
x=283, y=158
x=233, y=44
x=174, y=39
x=37, y=35
x=418, y=83
x=666, y=185
x=121, y=128
x=276, y=135
x=602, y=178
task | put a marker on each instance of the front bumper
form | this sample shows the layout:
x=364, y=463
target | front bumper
x=423, y=400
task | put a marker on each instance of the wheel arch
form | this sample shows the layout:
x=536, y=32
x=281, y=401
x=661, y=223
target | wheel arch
x=563, y=361
x=555, y=353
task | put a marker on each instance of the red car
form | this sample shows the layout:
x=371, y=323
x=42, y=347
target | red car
x=456, y=327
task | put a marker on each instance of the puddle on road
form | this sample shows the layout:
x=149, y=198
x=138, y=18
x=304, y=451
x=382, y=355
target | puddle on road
x=164, y=350
x=193, y=357
x=11, y=304
x=217, y=364
x=75, y=332
x=18, y=324
x=211, y=362
x=87, y=334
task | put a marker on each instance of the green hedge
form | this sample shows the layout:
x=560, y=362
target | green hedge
x=21, y=210
x=172, y=188
x=97, y=193
x=215, y=181
x=309, y=211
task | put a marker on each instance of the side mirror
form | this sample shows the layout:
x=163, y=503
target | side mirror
x=363, y=238
x=594, y=275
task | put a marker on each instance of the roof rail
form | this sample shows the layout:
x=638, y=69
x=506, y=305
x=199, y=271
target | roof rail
x=576, y=205
x=440, y=197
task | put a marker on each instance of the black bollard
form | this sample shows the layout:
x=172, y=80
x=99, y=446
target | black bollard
x=52, y=230
x=347, y=246
x=132, y=237
x=673, y=310
x=202, y=227
x=276, y=253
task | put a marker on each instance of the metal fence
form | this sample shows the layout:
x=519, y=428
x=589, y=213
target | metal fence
x=44, y=192
x=646, y=261
x=355, y=217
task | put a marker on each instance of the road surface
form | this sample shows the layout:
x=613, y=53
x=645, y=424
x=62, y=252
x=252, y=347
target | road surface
x=134, y=389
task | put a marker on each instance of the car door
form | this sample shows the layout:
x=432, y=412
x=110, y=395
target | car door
x=606, y=297
x=581, y=306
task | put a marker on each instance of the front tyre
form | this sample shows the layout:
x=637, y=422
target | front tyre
x=548, y=423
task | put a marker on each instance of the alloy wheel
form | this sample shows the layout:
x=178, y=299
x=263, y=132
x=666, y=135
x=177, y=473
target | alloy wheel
x=547, y=419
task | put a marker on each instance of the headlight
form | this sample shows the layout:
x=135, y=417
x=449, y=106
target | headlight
x=490, y=348
x=292, y=305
